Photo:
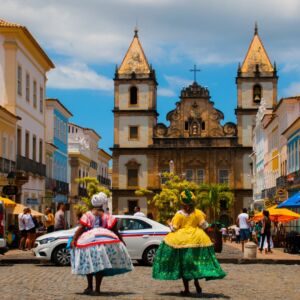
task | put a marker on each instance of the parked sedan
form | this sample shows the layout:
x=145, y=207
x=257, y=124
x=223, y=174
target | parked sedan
x=141, y=235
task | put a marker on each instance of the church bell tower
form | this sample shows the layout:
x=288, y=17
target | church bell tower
x=256, y=80
x=135, y=116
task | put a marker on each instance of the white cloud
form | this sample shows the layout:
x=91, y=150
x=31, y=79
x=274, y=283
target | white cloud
x=165, y=92
x=292, y=90
x=207, y=32
x=78, y=76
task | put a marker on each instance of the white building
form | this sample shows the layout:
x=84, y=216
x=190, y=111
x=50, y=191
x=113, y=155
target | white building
x=23, y=68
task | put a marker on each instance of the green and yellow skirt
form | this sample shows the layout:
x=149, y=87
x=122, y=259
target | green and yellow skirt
x=186, y=263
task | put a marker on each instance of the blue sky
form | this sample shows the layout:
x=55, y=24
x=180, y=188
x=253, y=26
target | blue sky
x=86, y=39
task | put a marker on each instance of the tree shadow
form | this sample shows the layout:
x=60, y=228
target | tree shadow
x=193, y=295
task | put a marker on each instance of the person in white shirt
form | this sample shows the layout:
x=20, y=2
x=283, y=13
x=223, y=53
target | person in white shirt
x=22, y=230
x=30, y=229
x=138, y=213
x=244, y=224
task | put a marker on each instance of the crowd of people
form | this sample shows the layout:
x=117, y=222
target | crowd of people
x=29, y=225
x=246, y=229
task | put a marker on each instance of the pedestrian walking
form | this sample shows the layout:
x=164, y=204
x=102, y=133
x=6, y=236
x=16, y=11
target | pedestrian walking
x=266, y=232
x=237, y=234
x=59, y=219
x=187, y=252
x=98, y=252
x=243, y=223
x=22, y=229
x=30, y=226
x=224, y=233
x=49, y=222
x=138, y=213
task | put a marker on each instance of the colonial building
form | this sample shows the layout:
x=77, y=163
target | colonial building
x=57, y=162
x=8, y=127
x=195, y=144
x=276, y=152
x=23, y=69
x=103, y=168
x=83, y=157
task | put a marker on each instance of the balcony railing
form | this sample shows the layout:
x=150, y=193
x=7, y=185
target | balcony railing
x=7, y=165
x=57, y=186
x=29, y=165
x=103, y=180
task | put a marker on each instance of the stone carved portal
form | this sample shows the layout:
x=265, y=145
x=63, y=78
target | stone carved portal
x=195, y=116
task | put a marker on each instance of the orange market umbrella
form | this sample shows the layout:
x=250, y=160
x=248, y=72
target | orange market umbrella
x=7, y=202
x=282, y=215
x=19, y=209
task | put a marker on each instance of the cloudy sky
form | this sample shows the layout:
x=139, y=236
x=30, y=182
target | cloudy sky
x=86, y=39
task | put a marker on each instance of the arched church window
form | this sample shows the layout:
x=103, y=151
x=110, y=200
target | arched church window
x=257, y=93
x=133, y=95
x=186, y=125
x=203, y=125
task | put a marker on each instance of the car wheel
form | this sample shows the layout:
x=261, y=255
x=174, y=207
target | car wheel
x=149, y=254
x=61, y=256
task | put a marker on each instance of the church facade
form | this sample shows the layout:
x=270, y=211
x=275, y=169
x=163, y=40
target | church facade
x=195, y=144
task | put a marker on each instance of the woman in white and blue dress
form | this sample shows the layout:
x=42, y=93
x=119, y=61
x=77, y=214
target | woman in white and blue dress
x=98, y=251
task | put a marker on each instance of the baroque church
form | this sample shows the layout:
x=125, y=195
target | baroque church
x=194, y=144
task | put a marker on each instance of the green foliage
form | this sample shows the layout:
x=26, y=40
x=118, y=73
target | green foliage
x=167, y=202
x=211, y=195
x=93, y=187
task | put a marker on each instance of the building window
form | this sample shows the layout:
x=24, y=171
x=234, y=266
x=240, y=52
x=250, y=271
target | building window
x=27, y=94
x=186, y=125
x=4, y=147
x=133, y=95
x=41, y=99
x=41, y=151
x=203, y=125
x=257, y=93
x=132, y=176
x=34, y=94
x=200, y=176
x=34, y=148
x=27, y=144
x=19, y=80
x=224, y=176
x=133, y=132
x=189, y=175
x=19, y=141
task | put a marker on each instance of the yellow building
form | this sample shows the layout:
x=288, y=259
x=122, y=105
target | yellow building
x=8, y=126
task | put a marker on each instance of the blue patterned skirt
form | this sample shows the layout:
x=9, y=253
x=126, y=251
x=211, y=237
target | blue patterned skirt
x=99, y=250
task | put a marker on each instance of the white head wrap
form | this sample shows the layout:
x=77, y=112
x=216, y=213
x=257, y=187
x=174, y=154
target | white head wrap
x=99, y=200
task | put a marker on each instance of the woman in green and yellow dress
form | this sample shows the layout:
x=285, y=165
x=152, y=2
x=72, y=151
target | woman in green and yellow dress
x=187, y=252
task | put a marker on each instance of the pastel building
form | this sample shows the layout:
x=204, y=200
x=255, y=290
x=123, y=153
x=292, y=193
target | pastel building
x=276, y=152
x=23, y=69
x=57, y=120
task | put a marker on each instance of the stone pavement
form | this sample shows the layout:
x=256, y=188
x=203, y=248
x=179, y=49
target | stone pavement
x=278, y=253
x=231, y=254
x=22, y=282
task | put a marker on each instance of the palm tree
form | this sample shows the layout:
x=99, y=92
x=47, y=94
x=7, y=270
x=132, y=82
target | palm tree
x=211, y=195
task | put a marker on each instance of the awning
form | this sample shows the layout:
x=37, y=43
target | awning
x=283, y=215
x=293, y=201
x=7, y=202
x=19, y=209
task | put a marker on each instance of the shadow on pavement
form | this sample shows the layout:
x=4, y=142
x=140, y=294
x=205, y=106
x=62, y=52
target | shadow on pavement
x=203, y=295
x=110, y=294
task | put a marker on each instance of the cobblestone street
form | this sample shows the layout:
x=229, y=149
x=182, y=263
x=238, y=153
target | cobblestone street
x=243, y=282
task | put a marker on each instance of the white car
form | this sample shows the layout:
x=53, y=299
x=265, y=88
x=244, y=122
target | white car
x=141, y=235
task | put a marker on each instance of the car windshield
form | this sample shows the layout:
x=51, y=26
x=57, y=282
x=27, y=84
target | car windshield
x=132, y=224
